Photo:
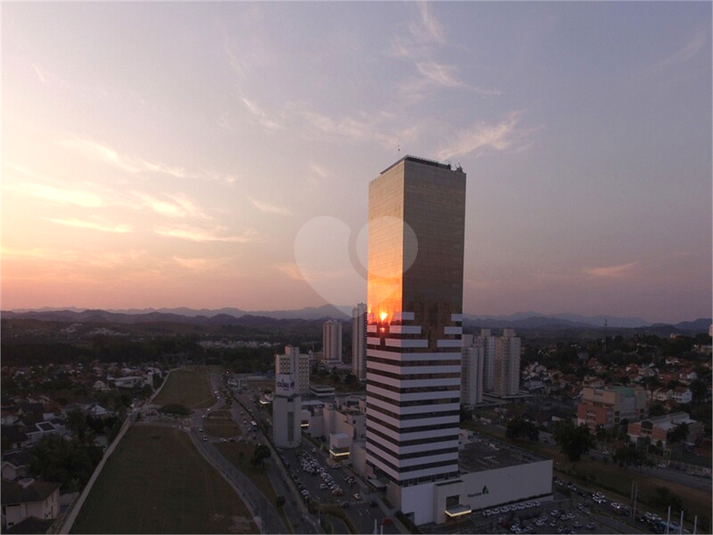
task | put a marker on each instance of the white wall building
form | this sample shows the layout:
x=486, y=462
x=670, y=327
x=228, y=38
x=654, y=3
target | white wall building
x=473, y=362
x=492, y=474
x=295, y=364
x=359, y=341
x=286, y=412
x=332, y=340
x=506, y=374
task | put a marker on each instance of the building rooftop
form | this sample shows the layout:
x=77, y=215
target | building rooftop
x=484, y=453
x=421, y=161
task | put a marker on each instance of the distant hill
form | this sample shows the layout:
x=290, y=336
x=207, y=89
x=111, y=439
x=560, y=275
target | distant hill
x=535, y=319
x=236, y=316
x=214, y=318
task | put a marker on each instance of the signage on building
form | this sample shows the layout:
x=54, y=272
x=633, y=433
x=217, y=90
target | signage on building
x=481, y=493
x=284, y=384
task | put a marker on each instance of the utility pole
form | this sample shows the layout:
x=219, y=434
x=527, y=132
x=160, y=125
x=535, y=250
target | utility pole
x=668, y=520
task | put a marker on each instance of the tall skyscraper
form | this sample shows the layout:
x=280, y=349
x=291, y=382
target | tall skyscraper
x=359, y=341
x=415, y=299
x=506, y=380
x=332, y=340
x=472, y=370
x=295, y=364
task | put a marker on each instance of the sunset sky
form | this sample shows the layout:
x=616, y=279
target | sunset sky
x=177, y=154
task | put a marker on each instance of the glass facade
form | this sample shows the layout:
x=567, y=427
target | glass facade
x=415, y=297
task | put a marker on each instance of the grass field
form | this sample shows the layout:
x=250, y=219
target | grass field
x=239, y=454
x=157, y=482
x=220, y=424
x=187, y=387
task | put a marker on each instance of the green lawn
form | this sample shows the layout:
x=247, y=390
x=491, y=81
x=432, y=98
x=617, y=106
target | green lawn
x=239, y=454
x=220, y=424
x=188, y=387
x=157, y=482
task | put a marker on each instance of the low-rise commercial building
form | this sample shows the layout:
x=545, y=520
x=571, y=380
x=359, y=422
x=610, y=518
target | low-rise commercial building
x=655, y=430
x=607, y=407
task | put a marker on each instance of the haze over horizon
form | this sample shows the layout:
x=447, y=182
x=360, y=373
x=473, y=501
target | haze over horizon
x=168, y=154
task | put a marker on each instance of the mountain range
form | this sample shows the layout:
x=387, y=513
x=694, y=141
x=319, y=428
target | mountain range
x=226, y=316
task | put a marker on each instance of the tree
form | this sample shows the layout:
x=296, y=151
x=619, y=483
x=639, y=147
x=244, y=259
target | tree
x=466, y=415
x=629, y=456
x=280, y=501
x=69, y=463
x=176, y=409
x=678, y=433
x=520, y=428
x=261, y=453
x=574, y=441
x=77, y=423
x=698, y=390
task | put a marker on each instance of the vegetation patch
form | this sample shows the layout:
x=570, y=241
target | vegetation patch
x=221, y=424
x=175, y=409
x=186, y=387
x=163, y=485
x=240, y=454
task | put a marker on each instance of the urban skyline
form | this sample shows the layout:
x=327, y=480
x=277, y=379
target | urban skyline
x=166, y=155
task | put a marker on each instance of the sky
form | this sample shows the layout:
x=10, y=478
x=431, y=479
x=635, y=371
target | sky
x=214, y=155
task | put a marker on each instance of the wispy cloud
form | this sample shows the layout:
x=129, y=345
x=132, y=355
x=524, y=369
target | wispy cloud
x=126, y=163
x=617, y=271
x=269, y=208
x=39, y=74
x=58, y=195
x=176, y=206
x=418, y=46
x=94, y=225
x=199, y=264
x=505, y=135
x=74, y=259
x=290, y=269
x=430, y=28
x=262, y=117
x=217, y=234
x=440, y=74
x=695, y=43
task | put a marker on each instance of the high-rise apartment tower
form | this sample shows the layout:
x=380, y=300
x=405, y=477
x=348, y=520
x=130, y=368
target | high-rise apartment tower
x=414, y=302
x=473, y=364
x=506, y=369
x=332, y=340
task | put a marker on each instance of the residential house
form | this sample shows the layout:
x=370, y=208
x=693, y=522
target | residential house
x=682, y=394
x=14, y=465
x=26, y=498
x=15, y=436
x=40, y=429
